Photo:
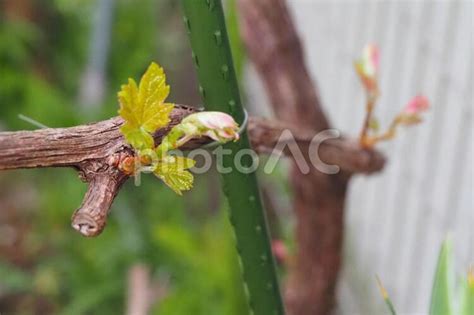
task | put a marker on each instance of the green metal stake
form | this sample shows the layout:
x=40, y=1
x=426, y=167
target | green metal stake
x=205, y=24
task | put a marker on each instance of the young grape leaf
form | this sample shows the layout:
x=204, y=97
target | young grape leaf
x=143, y=107
x=138, y=138
x=172, y=171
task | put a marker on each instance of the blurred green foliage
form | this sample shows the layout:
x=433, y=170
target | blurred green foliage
x=445, y=300
x=45, y=266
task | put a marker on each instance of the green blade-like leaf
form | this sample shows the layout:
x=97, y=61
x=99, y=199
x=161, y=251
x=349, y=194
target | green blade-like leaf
x=205, y=25
x=386, y=297
x=137, y=137
x=467, y=295
x=441, y=296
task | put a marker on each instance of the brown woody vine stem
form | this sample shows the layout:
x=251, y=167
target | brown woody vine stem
x=93, y=150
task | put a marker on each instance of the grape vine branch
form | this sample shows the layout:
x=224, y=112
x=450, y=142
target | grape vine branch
x=91, y=150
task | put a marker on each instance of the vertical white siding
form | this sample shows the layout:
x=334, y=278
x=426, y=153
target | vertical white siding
x=396, y=220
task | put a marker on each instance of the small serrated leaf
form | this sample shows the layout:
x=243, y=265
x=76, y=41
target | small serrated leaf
x=143, y=108
x=128, y=99
x=172, y=171
x=137, y=137
x=152, y=92
x=157, y=117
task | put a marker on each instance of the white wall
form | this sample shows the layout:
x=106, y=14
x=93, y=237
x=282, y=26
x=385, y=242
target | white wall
x=396, y=220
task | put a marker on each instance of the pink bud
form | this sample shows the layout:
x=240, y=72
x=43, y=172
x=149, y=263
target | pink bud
x=411, y=113
x=216, y=125
x=417, y=105
x=371, y=60
x=215, y=120
x=368, y=66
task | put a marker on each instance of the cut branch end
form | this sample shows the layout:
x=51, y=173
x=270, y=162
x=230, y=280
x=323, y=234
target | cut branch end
x=91, y=217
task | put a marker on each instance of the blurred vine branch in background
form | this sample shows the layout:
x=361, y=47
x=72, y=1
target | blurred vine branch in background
x=367, y=67
x=318, y=199
x=274, y=47
x=93, y=150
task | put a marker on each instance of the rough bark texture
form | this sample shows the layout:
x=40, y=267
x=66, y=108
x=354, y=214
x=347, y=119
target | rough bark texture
x=347, y=154
x=94, y=149
x=91, y=149
x=274, y=47
x=81, y=146
x=73, y=146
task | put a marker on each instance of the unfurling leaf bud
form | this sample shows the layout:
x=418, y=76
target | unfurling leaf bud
x=412, y=111
x=367, y=68
x=417, y=105
x=215, y=125
x=127, y=165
